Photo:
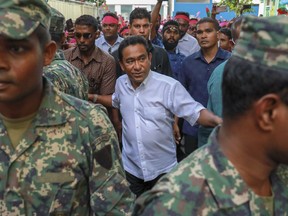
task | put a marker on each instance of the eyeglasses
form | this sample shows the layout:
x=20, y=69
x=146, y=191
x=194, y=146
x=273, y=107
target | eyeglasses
x=192, y=28
x=84, y=35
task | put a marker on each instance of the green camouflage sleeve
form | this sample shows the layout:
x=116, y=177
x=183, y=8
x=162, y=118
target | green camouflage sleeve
x=109, y=190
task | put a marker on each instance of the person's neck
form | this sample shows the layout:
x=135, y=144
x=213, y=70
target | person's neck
x=111, y=41
x=246, y=154
x=210, y=53
x=86, y=55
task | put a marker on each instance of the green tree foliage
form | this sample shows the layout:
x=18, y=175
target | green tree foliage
x=238, y=6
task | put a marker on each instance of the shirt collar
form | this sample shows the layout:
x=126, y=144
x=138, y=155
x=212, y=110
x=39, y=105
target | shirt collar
x=96, y=54
x=144, y=83
x=104, y=42
x=221, y=54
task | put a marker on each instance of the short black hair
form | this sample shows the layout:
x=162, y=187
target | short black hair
x=132, y=40
x=169, y=23
x=227, y=32
x=110, y=14
x=245, y=82
x=87, y=20
x=209, y=20
x=139, y=13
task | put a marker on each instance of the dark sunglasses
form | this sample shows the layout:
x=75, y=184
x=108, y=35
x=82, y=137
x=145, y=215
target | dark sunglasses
x=84, y=35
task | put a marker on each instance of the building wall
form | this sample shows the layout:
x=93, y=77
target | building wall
x=75, y=9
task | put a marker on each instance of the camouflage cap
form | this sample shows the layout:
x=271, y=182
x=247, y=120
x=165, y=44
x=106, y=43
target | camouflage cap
x=57, y=21
x=264, y=40
x=19, y=18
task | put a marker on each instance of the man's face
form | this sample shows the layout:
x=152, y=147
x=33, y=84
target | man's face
x=21, y=63
x=136, y=63
x=225, y=42
x=183, y=26
x=110, y=30
x=85, y=37
x=206, y=35
x=171, y=36
x=140, y=27
x=192, y=30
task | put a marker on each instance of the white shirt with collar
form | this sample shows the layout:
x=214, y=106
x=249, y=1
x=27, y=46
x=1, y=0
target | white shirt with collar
x=104, y=45
x=188, y=45
x=148, y=113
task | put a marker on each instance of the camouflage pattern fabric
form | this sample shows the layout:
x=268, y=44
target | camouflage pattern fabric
x=68, y=163
x=207, y=183
x=66, y=77
x=264, y=40
x=19, y=18
x=57, y=22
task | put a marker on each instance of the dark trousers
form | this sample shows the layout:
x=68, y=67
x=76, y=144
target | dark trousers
x=138, y=186
x=190, y=144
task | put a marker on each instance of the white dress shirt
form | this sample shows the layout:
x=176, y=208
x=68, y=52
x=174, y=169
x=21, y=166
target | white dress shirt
x=149, y=148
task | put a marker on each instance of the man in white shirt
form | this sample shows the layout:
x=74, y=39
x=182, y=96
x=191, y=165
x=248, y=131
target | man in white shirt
x=148, y=102
x=110, y=39
x=187, y=44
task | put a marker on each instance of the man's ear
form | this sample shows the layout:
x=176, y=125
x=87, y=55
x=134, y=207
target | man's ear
x=267, y=110
x=49, y=52
x=122, y=66
x=150, y=57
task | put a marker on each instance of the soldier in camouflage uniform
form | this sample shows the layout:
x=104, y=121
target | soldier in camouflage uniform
x=59, y=155
x=236, y=173
x=65, y=76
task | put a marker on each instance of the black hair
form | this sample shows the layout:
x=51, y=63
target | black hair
x=245, y=82
x=209, y=20
x=87, y=20
x=43, y=36
x=139, y=13
x=169, y=23
x=132, y=40
x=110, y=14
x=227, y=32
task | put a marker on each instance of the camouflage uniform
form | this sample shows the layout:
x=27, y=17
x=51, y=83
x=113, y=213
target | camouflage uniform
x=207, y=183
x=66, y=77
x=68, y=163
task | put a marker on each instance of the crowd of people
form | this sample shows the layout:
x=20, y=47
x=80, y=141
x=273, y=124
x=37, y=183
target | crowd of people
x=181, y=117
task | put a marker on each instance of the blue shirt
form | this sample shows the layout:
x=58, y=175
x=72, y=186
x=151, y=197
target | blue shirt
x=194, y=75
x=104, y=45
x=176, y=59
x=149, y=148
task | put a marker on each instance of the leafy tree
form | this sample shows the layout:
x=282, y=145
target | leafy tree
x=238, y=6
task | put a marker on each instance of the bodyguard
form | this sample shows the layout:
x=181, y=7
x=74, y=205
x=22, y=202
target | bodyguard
x=58, y=155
